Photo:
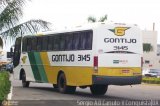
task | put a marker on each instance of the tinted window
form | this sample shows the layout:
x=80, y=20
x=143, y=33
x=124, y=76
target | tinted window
x=88, y=40
x=69, y=41
x=62, y=42
x=66, y=41
x=29, y=46
x=39, y=43
x=50, y=42
x=82, y=41
x=34, y=43
x=17, y=52
x=76, y=41
x=44, y=43
x=24, y=47
x=56, y=42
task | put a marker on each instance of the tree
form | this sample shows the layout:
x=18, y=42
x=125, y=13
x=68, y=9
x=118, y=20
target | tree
x=92, y=19
x=102, y=19
x=10, y=15
x=147, y=47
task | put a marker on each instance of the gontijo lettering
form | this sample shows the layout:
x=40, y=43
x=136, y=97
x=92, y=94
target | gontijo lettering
x=119, y=40
x=63, y=58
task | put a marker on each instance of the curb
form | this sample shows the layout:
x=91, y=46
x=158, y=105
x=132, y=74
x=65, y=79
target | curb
x=149, y=84
x=9, y=97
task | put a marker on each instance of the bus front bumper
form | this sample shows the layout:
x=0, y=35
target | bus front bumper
x=116, y=80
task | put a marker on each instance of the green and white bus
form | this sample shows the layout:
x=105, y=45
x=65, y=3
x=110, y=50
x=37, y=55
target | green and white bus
x=92, y=56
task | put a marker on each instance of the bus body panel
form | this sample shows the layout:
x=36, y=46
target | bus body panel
x=119, y=53
x=71, y=58
x=34, y=70
x=109, y=42
x=119, y=60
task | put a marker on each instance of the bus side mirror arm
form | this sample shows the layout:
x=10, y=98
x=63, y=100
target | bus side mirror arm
x=11, y=51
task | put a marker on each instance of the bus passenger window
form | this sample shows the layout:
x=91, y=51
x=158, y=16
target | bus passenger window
x=34, y=44
x=24, y=46
x=39, y=43
x=83, y=41
x=89, y=41
x=50, y=43
x=44, y=43
x=62, y=42
x=56, y=42
x=29, y=46
x=76, y=41
x=69, y=42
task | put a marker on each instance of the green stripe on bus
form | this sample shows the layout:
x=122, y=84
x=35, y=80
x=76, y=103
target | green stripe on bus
x=34, y=66
x=40, y=67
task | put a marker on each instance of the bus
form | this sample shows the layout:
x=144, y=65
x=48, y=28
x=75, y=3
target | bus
x=95, y=56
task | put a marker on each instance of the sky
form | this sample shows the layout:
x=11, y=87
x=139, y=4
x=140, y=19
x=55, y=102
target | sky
x=64, y=13
x=68, y=13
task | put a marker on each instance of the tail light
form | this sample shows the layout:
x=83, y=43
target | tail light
x=95, y=63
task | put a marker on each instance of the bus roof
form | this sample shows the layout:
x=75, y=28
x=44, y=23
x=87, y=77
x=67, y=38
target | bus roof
x=88, y=26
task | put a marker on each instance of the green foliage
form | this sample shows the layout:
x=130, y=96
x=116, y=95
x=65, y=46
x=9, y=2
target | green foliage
x=10, y=15
x=151, y=80
x=102, y=19
x=147, y=47
x=92, y=19
x=5, y=85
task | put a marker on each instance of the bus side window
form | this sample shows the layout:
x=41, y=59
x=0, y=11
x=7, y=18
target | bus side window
x=29, y=46
x=39, y=43
x=83, y=41
x=24, y=46
x=62, y=42
x=56, y=42
x=76, y=41
x=50, y=42
x=44, y=43
x=34, y=44
x=88, y=45
x=69, y=41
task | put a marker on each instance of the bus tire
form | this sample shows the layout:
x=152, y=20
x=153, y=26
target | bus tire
x=62, y=85
x=55, y=86
x=98, y=89
x=24, y=82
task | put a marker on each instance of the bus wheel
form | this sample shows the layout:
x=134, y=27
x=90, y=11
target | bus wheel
x=62, y=85
x=98, y=89
x=24, y=82
x=55, y=86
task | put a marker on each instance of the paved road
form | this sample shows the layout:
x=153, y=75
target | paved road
x=42, y=91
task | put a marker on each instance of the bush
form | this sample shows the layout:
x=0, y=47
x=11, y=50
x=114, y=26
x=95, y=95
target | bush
x=5, y=85
x=151, y=80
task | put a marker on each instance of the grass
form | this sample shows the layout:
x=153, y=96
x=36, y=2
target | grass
x=5, y=85
x=151, y=80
